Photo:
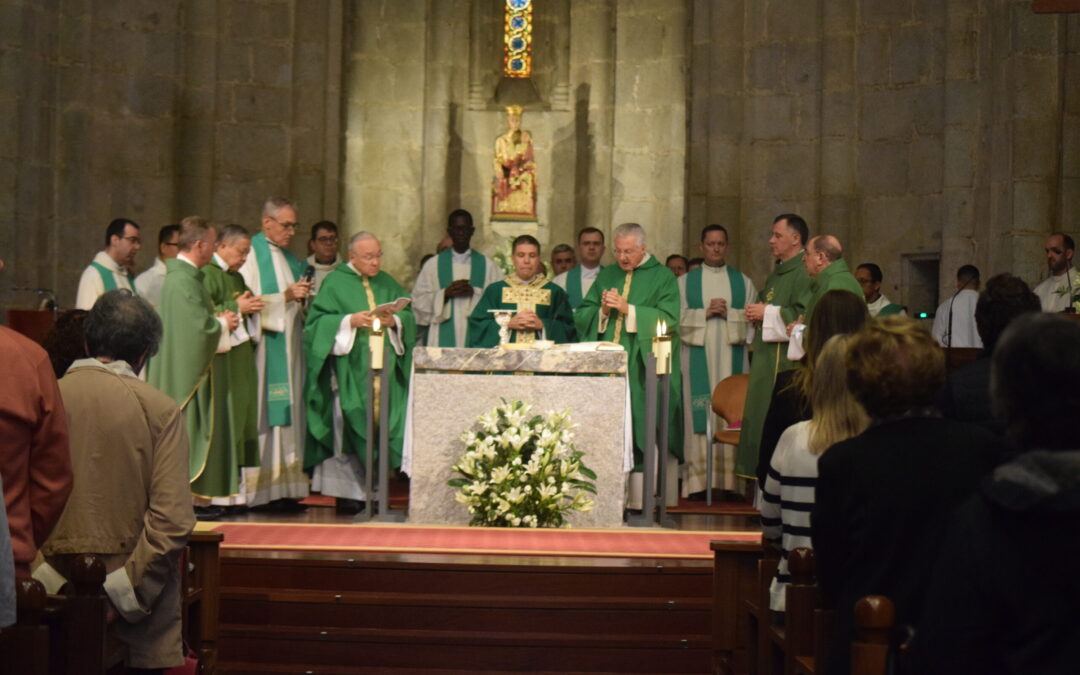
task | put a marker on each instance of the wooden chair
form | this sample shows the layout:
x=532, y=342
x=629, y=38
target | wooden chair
x=60, y=634
x=728, y=401
x=874, y=618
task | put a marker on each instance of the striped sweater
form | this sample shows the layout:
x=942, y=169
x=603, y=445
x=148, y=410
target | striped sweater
x=787, y=499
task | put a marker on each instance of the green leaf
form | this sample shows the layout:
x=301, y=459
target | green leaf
x=586, y=471
x=458, y=482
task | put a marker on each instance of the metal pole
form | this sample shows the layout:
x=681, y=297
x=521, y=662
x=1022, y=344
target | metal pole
x=665, y=419
x=369, y=468
x=710, y=445
x=648, y=489
x=385, y=514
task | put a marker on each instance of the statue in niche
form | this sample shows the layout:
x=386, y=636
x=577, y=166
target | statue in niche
x=514, y=185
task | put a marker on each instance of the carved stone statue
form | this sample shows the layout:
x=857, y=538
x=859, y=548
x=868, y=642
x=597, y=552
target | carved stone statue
x=514, y=185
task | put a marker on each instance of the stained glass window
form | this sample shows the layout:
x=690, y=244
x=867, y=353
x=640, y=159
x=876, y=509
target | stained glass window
x=517, y=39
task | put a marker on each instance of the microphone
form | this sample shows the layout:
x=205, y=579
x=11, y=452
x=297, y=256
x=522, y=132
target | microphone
x=308, y=274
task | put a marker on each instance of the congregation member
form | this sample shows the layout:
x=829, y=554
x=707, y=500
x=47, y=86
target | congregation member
x=579, y=279
x=626, y=306
x=882, y=497
x=1057, y=291
x=954, y=321
x=870, y=277
x=1000, y=601
x=678, y=264
x=148, y=284
x=541, y=309
x=837, y=313
x=337, y=347
x=714, y=337
x=275, y=275
x=562, y=259
x=694, y=263
x=35, y=461
x=324, y=251
x=109, y=269
x=788, y=491
x=235, y=441
x=131, y=503
x=780, y=301
x=450, y=285
x=64, y=342
x=194, y=333
x=966, y=396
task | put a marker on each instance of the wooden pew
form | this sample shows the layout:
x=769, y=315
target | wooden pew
x=201, y=584
x=874, y=619
x=735, y=580
x=60, y=634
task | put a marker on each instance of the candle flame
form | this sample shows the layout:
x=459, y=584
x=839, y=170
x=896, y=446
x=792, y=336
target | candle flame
x=375, y=325
x=661, y=328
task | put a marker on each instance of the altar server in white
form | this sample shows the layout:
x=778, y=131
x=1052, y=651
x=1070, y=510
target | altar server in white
x=579, y=279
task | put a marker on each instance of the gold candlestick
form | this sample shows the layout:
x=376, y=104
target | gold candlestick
x=661, y=348
x=375, y=342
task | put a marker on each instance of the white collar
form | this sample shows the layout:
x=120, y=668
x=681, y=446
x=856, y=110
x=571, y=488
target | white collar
x=714, y=270
x=221, y=263
x=103, y=258
x=461, y=258
x=118, y=367
x=184, y=258
x=324, y=266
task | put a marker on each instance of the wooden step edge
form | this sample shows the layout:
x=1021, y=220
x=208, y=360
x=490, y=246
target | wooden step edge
x=246, y=668
x=468, y=600
x=465, y=637
x=525, y=564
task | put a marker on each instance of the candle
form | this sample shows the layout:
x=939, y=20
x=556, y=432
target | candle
x=662, y=348
x=375, y=341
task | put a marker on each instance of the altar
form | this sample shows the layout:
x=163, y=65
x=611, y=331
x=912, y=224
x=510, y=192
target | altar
x=450, y=388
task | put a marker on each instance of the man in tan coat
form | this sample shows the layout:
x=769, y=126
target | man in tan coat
x=131, y=502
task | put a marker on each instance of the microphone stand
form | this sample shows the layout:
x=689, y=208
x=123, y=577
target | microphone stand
x=1069, y=309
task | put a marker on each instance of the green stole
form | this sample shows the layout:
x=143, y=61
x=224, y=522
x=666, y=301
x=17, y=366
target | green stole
x=573, y=286
x=109, y=279
x=891, y=309
x=700, y=391
x=477, y=276
x=278, y=394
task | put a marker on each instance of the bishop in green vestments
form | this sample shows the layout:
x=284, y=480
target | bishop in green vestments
x=542, y=309
x=183, y=366
x=828, y=271
x=235, y=442
x=625, y=305
x=337, y=347
x=780, y=302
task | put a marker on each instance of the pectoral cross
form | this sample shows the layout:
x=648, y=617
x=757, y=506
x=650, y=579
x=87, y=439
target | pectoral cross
x=526, y=298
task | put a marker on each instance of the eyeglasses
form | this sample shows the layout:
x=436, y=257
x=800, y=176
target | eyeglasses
x=287, y=226
x=327, y=240
x=133, y=240
x=171, y=243
x=371, y=257
x=1055, y=250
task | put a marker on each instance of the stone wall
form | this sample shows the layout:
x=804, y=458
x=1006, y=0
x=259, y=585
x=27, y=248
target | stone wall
x=153, y=110
x=914, y=130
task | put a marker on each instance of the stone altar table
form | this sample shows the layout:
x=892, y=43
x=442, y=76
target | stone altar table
x=452, y=387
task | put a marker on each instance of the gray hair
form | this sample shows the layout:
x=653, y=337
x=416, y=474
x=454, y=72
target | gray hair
x=193, y=229
x=274, y=204
x=122, y=327
x=359, y=237
x=630, y=230
x=231, y=233
x=561, y=248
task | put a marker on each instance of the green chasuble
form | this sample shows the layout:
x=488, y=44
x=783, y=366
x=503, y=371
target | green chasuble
x=788, y=287
x=183, y=367
x=342, y=293
x=836, y=276
x=235, y=441
x=891, y=309
x=654, y=293
x=558, y=318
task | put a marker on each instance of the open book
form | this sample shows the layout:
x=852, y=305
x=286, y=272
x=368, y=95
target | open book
x=393, y=307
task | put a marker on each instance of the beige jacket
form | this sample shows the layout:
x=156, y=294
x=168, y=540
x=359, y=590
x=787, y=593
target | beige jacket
x=131, y=504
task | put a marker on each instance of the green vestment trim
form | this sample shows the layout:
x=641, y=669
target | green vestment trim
x=109, y=279
x=573, y=286
x=700, y=391
x=278, y=392
x=654, y=293
x=558, y=318
x=342, y=293
x=477, y=276
x=891, y=309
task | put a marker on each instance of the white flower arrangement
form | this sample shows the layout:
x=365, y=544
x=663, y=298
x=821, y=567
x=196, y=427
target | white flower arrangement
x=504, y=257
x=522, y=470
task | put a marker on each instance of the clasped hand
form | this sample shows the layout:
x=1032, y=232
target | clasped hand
x=250, y=304
x=612, y=299
x=526, y=321
x=460, y=288
x=755, y=312
x=232, y=319
x=717, y=307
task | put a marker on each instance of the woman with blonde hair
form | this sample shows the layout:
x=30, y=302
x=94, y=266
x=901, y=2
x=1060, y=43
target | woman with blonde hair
x=788, y=492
